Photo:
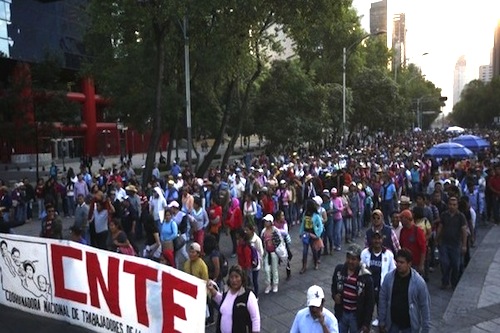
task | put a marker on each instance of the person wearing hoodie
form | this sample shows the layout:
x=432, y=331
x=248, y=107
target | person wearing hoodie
x=157, y=206
x=353, y=293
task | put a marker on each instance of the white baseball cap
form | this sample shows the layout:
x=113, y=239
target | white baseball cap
x=268, y=218
x=315, y=296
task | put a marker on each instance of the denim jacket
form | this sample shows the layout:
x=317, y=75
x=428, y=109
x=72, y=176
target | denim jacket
x=418, y=299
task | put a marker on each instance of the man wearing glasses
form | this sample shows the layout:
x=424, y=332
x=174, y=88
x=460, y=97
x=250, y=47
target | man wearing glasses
x=51, y=224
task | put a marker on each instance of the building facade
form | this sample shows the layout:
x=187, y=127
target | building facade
x=459, y=79
x=485, y=73
x=495, y=61
x=378, y=16
x=30, y=32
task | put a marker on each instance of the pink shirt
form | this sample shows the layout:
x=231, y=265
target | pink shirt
x=226, y=310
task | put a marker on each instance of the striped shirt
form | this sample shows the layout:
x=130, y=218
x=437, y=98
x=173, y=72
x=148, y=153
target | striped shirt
x=349, y=293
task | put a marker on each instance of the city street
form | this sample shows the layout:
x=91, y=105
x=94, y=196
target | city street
x=277, y=310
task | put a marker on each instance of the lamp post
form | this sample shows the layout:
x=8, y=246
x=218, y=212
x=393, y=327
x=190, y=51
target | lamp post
x=345, y=50
x=188, y=89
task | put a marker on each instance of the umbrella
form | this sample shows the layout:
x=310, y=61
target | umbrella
x=473, y=142
x=449, y=149
x=455, y=129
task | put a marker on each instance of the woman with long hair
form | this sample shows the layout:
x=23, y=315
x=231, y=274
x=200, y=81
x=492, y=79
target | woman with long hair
x=310, y=230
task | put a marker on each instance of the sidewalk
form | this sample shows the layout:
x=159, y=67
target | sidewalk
x=475, y=305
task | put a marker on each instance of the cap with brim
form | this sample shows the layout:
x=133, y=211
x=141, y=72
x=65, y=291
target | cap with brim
x=315, y=296
x=195, y=246
x=354, y=250
x=317, y=199
x=268, y=218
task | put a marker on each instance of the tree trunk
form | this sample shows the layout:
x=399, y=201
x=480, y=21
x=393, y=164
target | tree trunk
x=243, y=108
x=159, y=33
x=200, y=172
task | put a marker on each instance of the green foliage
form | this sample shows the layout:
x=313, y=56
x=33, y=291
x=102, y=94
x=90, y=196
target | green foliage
x=419, y=93
x=478, y=105
x=377, y=103
x=290, y=108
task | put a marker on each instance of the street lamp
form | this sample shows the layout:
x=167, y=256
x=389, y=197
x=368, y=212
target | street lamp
x=188, y=89
x=344, y=62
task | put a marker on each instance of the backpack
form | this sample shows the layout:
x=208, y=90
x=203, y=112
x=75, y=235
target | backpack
x=255, y=257
x=224, y=266
x=258, y=213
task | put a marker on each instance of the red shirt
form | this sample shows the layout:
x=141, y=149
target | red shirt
x=244, y=254
x=495, y=184
x=235, y=219
x=413, y=239
x=214, y=212
x=267, y=205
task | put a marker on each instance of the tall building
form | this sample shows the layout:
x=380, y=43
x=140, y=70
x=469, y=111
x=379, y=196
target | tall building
x=31, y=30
x=399, y=40
x=485, y=73
x=496, y=52
x=459, y=79
x=378, y=16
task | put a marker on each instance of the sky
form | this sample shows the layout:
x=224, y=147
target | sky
x=444, y=29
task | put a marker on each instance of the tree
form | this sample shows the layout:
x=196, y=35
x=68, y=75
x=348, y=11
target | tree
x=376, y=103
x=290, y=106
x=478, y=104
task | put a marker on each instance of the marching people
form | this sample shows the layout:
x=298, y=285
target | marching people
x=315, y=318
x=404, y=300
x=451, y=240
x=238, y=307
x=353, y=293
x=310, y=232
x=390, y=239
x=413, y=238
x=379, y=261
x=271, y=238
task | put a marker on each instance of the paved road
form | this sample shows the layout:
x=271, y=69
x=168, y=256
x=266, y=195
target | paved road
x=278, y=310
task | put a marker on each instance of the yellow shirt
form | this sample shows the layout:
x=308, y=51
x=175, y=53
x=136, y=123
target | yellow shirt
x=197, y=268
x=425, y=225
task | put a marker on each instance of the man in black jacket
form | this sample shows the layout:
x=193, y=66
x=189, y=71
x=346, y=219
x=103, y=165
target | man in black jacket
x=352, y=292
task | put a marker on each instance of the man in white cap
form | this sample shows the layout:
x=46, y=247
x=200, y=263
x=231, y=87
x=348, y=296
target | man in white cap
x=315, y=318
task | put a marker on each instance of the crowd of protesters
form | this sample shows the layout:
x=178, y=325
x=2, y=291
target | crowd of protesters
x=384, y=185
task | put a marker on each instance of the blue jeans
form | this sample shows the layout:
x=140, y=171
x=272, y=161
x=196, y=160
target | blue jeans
x=337, y=232
x=356, y=225
x=347, y=227
x=348, y=323
x=449, y=258
x=387, y=207
x=305, y=251
x=255, y=280
x=328, y=234
x=293, y=213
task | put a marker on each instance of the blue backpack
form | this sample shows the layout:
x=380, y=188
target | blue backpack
x=258, y=213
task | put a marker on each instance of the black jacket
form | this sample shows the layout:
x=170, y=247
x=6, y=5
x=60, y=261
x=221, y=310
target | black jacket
x=366, y=298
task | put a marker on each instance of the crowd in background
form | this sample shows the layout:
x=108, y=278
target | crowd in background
x=332, y=197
